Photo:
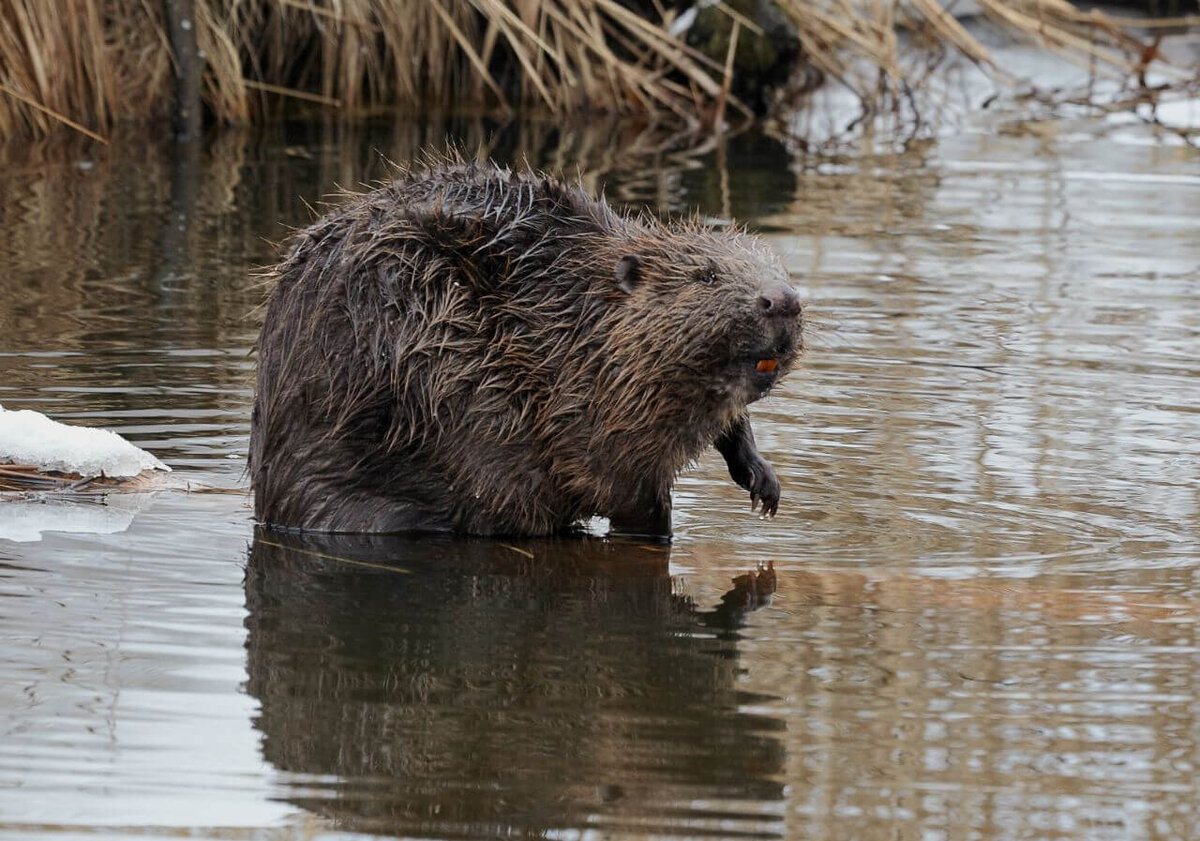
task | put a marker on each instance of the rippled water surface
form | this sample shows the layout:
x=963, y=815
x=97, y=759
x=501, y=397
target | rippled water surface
x=986, y=559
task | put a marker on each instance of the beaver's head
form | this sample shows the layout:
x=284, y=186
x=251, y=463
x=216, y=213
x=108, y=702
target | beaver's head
x=718, y=308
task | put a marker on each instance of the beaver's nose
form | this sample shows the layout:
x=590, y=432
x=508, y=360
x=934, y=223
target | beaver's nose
x=779, y=300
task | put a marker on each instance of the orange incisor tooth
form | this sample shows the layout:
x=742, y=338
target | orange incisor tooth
x=766, y=366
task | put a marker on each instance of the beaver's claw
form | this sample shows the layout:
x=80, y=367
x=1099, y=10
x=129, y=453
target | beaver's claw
x=764, y=488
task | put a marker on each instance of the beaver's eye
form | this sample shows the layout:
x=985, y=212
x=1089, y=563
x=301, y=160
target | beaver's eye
x=707, y=276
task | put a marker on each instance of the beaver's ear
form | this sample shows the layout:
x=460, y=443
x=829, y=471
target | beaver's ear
x=628, y=273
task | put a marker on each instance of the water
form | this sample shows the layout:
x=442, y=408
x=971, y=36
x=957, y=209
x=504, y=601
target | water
x=986, y=555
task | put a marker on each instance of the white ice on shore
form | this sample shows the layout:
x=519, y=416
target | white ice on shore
x=28, y=437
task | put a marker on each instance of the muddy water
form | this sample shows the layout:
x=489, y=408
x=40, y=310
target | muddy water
x=985, y=622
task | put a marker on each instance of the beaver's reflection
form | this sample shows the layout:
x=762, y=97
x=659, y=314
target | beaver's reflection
x=475, y=689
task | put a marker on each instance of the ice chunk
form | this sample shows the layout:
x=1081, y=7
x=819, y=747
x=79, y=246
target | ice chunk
x=28, y=437
x=25, y=522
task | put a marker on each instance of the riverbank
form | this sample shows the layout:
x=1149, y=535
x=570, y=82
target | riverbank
x=244, y=62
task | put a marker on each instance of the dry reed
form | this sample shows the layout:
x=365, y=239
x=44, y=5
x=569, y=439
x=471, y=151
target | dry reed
x=91, y=62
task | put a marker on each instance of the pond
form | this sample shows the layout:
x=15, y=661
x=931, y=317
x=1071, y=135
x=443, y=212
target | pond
x=986, y=563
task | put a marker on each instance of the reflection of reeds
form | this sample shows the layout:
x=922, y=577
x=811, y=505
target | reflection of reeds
x=109, y=59
x=140, y=236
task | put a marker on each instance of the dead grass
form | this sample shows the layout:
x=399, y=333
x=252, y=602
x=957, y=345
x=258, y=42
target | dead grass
x=91, y=62
x=839, y=34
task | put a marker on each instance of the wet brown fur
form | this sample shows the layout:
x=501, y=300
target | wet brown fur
x=453, y=352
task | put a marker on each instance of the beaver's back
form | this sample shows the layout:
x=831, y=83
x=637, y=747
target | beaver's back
x=433, y=317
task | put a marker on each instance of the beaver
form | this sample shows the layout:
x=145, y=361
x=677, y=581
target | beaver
x=485, y=351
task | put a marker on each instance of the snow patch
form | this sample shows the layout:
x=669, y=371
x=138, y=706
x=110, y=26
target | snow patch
x=28, y=437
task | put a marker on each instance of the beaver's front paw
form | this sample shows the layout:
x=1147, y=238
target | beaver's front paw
x=764, y=487
x=747, y=467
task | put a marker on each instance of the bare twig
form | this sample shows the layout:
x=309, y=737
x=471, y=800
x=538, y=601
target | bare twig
x=67, y=121
x=292, y=92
